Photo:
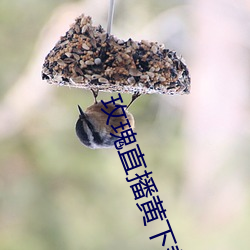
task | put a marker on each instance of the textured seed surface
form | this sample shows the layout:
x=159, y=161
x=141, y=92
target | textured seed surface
x=87, y=57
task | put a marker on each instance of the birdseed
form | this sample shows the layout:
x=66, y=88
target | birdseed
x=87, y=57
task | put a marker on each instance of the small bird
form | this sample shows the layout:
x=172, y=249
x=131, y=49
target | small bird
x=91, y=127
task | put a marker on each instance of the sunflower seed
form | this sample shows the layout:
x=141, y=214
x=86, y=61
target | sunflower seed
x=88, y=62
x=61, y=62
x=77, y=79
x=103, y=80
x=134, y=72
x=69, y=60
x=154, y=49
x=78, y=70
x=150, y=74
x=68, y=54
x=144, y=78
x=77, y=29
x=85, y=46
x=95, y=76
x=77, y=57
x=131, y=80
x=145, y=42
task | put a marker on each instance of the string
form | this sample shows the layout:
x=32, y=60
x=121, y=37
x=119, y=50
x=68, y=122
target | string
x=110, y=16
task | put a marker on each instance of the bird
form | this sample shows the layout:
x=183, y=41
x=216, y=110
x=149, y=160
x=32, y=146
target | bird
x=91, y=127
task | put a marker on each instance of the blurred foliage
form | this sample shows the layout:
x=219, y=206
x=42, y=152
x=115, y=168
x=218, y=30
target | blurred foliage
x=20, y=24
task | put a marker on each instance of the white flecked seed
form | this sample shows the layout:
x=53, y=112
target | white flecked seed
x=98, y=61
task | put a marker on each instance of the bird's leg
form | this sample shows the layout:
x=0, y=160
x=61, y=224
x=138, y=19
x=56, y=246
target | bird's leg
x=95, y=94
x=134, y=97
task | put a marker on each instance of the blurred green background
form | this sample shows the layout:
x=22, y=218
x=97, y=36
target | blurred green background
x=57, y=194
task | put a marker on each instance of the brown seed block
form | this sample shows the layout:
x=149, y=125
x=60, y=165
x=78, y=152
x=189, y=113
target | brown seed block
x=87, y=57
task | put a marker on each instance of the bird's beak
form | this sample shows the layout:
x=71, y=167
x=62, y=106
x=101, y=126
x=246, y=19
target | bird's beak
x=82, y=115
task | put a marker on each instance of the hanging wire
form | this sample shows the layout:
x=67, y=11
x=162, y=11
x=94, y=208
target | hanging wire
x=110, y=15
